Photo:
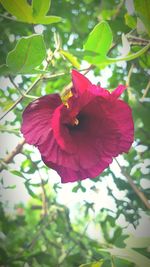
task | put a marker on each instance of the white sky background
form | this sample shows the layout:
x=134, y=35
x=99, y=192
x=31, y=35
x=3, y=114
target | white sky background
x=65, y=194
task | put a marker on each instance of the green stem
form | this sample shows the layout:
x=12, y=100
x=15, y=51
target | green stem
x=129, y=57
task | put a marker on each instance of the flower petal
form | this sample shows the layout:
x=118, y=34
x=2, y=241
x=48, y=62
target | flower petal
x=118, y=91
x=80, y=83
x=122, y=114
x=71, y=175
x=37, y=118
x=61, y=118
x=84, y=149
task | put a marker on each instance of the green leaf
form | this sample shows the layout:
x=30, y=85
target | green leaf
x=143, y=10
x=27, y=55
x=47, y=20
x=130, y=21
x=34, y=14
x=93, y=264
x=6, y=104
x=39, y=11
x=10, y=186
x=99, y=41
x=18, y=173
x=31, y=193
x=3, y=255
x=101, y=62
x=8, y=129
x=20, y=9
x=71, y=58
x=40, y=8
x=39, y=184
x=130, y=255
x=4, y=70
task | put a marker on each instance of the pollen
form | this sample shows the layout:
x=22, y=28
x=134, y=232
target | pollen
x=75, y=122
x=65, y=98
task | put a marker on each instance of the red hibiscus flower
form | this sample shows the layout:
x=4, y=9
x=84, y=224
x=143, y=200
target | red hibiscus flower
x=79, y=138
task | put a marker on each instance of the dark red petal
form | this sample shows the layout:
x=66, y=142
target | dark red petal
x=99, y=91
x=122, y=114
x=71, y=175
x=37, y=118
x=84, y=150
x=52, y=152
x=61, y=118
x=80, y=83
x=118, y=91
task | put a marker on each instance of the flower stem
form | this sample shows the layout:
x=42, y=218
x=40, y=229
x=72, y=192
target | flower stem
x=129, y=57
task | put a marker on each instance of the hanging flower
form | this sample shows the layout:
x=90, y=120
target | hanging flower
x=80, y=137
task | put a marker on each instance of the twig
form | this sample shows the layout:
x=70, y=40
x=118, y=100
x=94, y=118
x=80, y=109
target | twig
x=134, y=40
x=6, y=17
x=13, y=153
x=129, y=75
x=145, y=92
x=128, y=81
x=40, y=77
x=44, y=197
x=112, y=261
x=53, y=76
x=118, y=9
x=134, y=187
x=21, y=97
x=50, y=242
x=15, y=85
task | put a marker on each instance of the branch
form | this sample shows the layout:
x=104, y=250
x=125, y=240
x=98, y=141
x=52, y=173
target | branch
x=9, y=158
x=10, y=18
x=138, y=192
x=145, y=92
x=134, y=40
x=15, y=85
